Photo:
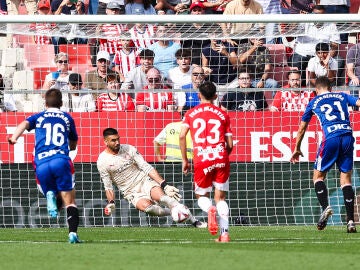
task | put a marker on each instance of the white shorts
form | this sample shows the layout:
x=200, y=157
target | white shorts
x=141, y=191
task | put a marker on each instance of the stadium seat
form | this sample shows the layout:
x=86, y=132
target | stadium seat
x=39, y=55
x=343, y=49
x=40, y=74
x=79, y=54
x=278, y=54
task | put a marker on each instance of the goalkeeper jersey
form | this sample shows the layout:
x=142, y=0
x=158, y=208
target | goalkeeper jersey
x=126, y=169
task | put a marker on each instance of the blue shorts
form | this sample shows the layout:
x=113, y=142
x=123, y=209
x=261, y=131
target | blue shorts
x=56, y=175
x=339, y=150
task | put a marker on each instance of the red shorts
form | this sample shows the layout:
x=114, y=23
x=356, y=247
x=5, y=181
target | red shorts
x=211, y=173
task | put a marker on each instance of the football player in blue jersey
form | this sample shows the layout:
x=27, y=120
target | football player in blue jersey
x=337, y=146
x=55, y=136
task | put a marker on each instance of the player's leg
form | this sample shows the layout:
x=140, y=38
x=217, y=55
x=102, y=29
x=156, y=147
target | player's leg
x=158, y=195
x=47, y=186
x=147, y=206
x=221, y=184
x=63, y=170
x=202, y=189
x=345, y=164
x=326, y=157
x=223, y=210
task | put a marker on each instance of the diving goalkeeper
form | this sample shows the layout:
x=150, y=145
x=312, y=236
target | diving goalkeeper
x=138, y=181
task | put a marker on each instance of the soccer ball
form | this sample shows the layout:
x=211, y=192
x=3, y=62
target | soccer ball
x=180, y=213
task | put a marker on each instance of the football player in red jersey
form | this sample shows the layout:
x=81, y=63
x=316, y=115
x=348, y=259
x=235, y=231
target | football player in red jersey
x=212, y=142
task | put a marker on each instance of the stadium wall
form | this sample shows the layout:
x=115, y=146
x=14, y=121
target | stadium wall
x=259, y=136
x=261, y=193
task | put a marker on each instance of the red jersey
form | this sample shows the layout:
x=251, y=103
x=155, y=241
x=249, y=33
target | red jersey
x=155, y=101
x=112, y=32
x=209, y=125
x=143, y=38
x=40, y=28
x=288, y=101
x=126, y=62
x=123, y=103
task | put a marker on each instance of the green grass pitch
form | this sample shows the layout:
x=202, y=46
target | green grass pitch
x=256, y=247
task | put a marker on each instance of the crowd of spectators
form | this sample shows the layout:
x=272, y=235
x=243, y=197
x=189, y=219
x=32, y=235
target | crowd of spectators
x=141, y=69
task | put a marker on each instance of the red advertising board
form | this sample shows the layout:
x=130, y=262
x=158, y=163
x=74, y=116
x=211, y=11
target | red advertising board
x=259, y=136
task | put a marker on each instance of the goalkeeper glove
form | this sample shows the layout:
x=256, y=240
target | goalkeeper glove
x=172, y=192
x=109, y=208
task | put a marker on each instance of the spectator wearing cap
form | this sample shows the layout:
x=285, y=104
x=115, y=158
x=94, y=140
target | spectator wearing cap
x=139, y=7
x=113, y=100
x=136, y=78
x=189, y=40
x=111, y=32
x=43, y=9
x=96, y=79
x=102, y=5
x=67, y=7
x=322, y=64
x=78, y=100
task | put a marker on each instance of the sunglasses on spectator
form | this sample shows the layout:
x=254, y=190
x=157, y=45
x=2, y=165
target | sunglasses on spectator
x=154, y=80
x=198, y=74
x=62, y=61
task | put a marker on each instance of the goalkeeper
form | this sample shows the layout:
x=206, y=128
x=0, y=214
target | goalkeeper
x=138, y=181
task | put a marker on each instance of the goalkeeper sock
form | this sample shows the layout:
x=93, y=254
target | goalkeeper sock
x=204, y=203
x=321, y=193
x=156, y=210
x=349, y=195
x=223, y=212
x=72, y=218
x=168, y=201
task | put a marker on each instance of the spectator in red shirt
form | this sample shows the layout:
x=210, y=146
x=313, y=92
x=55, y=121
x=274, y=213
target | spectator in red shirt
x=154, y=100
x=294, y=100
x=113, y=100
x=43, y=9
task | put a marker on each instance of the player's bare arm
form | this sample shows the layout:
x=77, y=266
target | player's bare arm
x=229, y=144
x=169, y=190
x=19, y=131
x=72, y=145
x=300, y=135
x=358, y=103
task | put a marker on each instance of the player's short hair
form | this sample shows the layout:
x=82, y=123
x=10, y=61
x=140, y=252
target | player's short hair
x=109, y=132
x=323, y=82
x=208, y=90
x=53, y=98
x=183, y=53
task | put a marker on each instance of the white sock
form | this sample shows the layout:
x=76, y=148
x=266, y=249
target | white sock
x=204, y=203
x=156, y=210
x=168, y=201
x=223, y=212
